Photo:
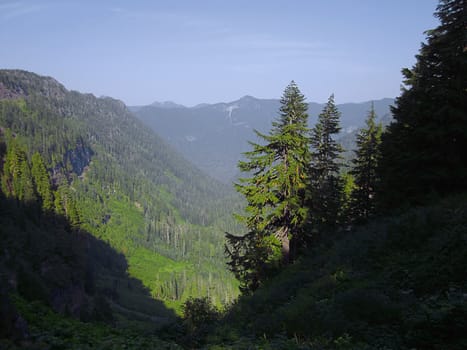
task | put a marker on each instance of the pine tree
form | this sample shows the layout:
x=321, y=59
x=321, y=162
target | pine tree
x=27, y=191
x=276, y=194
x=325, y=181
x=364, y=168
x=11, y=183
x=58, y=203
x=423, y=150
x=42, y=181
x=17, y=179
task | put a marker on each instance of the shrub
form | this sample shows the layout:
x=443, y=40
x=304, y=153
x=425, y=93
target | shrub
x=199, y=313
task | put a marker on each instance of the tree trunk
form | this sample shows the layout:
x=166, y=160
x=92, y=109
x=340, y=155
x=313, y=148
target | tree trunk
x=283, y=236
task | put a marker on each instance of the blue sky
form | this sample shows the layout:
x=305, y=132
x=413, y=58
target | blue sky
x=201, y=51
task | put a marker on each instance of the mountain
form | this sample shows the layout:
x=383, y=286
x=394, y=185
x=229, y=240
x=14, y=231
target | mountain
x=213, y=136
x=165, y=104
x=89, y=192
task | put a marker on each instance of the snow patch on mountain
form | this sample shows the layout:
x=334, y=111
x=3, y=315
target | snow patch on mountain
x=229, y=109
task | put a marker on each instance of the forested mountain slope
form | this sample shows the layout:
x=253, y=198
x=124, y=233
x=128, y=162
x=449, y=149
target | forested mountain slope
x=62, y=287
x=91, y=161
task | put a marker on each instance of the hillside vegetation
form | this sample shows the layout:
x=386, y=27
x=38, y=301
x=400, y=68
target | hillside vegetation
x=109, y=239
x=398, y=282
x=91, y=161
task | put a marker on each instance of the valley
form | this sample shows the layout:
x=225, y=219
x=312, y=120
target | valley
x=112, y=177
x=252, y=224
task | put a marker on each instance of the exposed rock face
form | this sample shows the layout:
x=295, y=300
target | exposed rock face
x=17, y=83
x=7, y=94
x=79, y=158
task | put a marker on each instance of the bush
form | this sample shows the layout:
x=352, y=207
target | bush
x=199, y=313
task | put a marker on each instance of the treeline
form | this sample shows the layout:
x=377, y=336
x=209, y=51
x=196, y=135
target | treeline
x=300, y=194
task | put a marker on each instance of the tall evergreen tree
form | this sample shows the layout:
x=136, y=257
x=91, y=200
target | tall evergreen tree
x=27, y=191
x=42, y=181
x=325, y=182
x=423, y=150
x=17, y=179
x=365, y=163
x=276, y=193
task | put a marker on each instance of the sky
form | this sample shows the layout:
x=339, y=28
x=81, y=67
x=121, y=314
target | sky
x=207, y=51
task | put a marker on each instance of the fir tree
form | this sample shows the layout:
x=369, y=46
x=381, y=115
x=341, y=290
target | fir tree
x=27, y=191
x=17, y=178
x=325, y=181
x=364, y=168
x=423, y=150
x=42, y=181
x=276, y=193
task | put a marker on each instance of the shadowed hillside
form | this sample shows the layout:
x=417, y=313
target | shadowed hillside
x=58, y=280
x=108, y=174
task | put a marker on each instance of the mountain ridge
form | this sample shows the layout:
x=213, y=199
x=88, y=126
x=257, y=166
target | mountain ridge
x=214, y=136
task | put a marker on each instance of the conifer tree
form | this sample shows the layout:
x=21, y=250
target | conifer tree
x=364, y=168
x=276, y=194
x=11, y=183
x=58, y=203
x=325, y=181
x=27, y=191
x=17, y=178
x=423, y=150
x=42, y=181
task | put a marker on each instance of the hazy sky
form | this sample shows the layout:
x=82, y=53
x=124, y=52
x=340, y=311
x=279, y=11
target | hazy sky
x=200, y=51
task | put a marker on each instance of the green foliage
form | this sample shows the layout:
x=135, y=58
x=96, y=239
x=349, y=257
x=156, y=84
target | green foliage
x=199, y=313
x=346, y=207
x=325, y=182
x=394, y=283
x=91, y=199
x=365, y=163
x=423, y=150
x=90, y=160
x=17, y=179
x=276, y=194
x=42, y=181
x=253, y=258
x=48, y=330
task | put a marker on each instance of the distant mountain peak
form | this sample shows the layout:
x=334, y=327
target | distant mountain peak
x=167, y=104
x=248, y=98
x=223, y=130
x=201, y=105
x=248, y=101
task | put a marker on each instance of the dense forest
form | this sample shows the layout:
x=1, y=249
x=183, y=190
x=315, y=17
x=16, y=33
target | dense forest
x=110, y=239
x=81, y=173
